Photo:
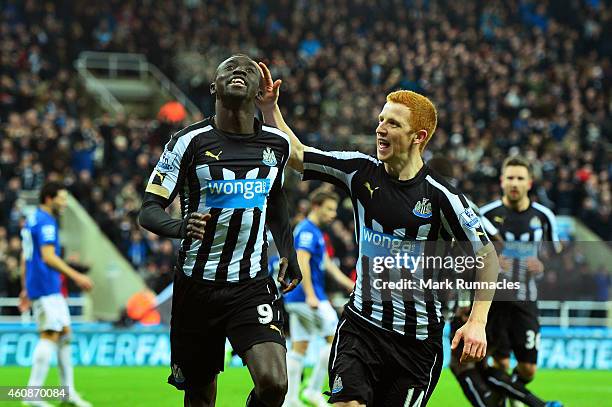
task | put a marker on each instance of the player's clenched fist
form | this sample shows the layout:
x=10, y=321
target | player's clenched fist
x=196, y=222
x=293, y=273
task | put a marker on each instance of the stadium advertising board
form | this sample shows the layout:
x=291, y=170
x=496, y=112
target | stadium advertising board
x=571, y=348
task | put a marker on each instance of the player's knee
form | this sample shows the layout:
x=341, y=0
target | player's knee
x=300, y=347
x=502, y=364
x=50, y=335
x=271, y=387
x=526, y=371
x=203, y=396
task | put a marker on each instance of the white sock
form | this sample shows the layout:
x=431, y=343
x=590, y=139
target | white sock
x=64, y=363
x=319, y=372
x=41, y=358
x=295, y=365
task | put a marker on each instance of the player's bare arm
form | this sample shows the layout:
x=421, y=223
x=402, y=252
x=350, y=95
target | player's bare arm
x=267, y=102
x=24, y=300
x=56, y=262
x=303, y=257
x=338, y=275
x=473, y=333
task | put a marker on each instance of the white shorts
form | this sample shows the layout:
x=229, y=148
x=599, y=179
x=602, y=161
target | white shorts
x=306, y=323
x=51, y=313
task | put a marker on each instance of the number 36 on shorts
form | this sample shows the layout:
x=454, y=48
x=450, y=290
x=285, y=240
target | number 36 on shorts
x=532, y=341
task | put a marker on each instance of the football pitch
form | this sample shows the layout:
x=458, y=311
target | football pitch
x=145, y=386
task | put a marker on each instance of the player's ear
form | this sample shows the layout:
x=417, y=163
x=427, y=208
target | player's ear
x=420, y=136
x=260, y=94
x=213, y=89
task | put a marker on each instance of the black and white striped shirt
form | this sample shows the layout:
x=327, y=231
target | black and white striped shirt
x=523, y=234
x=232, y=177
x=390, y=213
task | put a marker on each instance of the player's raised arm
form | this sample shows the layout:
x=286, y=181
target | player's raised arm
x=267, y=102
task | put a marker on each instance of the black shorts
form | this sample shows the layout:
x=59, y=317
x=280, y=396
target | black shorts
x=514, y=327
x=381, y=368
x=205, y=313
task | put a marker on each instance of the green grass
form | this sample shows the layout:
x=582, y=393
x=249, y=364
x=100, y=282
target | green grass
x=145, y=386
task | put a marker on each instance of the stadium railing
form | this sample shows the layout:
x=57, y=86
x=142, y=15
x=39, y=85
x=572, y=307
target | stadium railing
x=81, y=303
x=115, y=278
x=93, y=66
x=576, y=313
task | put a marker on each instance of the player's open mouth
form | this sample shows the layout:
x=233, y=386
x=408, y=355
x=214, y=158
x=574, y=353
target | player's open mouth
x=238, y=82
x=383, y=145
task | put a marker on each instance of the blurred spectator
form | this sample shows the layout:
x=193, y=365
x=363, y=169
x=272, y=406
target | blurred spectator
x=506, y=76
x=603, y=282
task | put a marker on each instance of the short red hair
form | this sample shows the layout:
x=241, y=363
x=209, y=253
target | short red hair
x=424, y=114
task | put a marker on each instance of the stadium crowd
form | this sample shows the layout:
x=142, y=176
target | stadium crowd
x=507, y=77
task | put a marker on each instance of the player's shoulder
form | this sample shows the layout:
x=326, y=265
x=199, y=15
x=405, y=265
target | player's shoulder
x=441, y=189
x=275, y=134
x=491, y=207
x=41, y=218
x=184, y=136
x=44, y=226
x=438, y=181
x=543, y=211
x=306, y=226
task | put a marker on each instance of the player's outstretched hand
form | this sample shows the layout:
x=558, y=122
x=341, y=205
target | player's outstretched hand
x=294, y=275
x=269, y=88
x=85, y=283
x=196, y=224
x=474, y=341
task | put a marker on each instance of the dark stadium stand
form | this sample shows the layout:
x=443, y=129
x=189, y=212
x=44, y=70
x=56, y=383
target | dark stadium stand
x=507, y=77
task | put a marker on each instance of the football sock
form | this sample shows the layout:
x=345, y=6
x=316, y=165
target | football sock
x=514, y=389
x=477, y=391
x=64, y=362
x=45, y=348
x=320, y=370
x=295, y=366
x=516, y=376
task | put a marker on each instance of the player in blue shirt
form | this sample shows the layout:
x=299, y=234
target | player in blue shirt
x=41, y=284
x=310, y=312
